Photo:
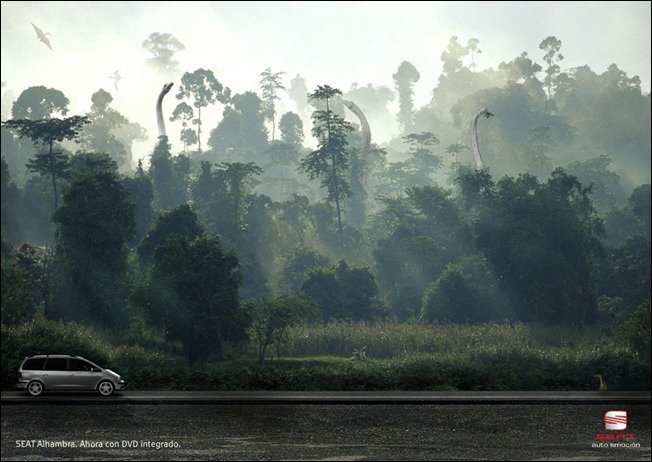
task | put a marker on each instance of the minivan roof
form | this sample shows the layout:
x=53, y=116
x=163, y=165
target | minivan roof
x=53, y=356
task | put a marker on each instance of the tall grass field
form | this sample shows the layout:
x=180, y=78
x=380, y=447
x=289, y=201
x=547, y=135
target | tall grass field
x=356, y=356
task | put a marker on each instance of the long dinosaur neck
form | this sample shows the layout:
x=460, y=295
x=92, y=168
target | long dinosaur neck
x=365, y=142
x=159, y=109
x=474, y=140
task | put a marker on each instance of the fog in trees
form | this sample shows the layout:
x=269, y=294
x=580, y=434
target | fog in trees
x=309, y=186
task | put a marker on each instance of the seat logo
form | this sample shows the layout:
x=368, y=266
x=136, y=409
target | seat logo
x=615, y=420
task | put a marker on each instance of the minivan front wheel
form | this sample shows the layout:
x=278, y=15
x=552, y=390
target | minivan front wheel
x=35, y=388
x=106, y=388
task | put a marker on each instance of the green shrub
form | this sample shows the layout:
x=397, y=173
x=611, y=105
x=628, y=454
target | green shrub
x=465, y=292
x=636, y=331
x=397, y=356
x=499, y=370
x=42, y=336
x=295, y=267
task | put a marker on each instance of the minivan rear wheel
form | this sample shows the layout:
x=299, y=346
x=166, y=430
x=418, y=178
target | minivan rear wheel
x=106, y=388
x=35, y=388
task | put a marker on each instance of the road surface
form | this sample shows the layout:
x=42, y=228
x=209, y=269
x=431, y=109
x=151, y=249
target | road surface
x=330, y=397
x=291, y=430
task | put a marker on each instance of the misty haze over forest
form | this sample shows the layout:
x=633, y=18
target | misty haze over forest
x=343, y=44
x=358, y=187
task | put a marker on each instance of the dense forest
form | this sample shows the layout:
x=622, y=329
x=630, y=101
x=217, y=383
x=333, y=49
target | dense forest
x=298, y=235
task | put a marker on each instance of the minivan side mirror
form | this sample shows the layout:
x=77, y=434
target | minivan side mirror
x=95, y=369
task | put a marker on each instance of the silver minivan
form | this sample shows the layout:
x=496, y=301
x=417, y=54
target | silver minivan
x=63, y=372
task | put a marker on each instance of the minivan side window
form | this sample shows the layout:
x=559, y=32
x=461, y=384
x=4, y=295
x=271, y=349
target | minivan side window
x=35, y=364
x=80, y=365
x=56, y=364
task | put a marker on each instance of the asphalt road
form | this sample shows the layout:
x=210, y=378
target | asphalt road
x=349, y=431
x=330, y=397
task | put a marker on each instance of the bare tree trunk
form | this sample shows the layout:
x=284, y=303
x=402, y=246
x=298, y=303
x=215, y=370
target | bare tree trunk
x=56, y=193
x=337, y=194
x=54, y=178
x=339, y=218
x=261, y=353
x=236, y=213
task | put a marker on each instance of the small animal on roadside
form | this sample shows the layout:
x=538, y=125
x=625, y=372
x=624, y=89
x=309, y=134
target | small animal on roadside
x=603, y=384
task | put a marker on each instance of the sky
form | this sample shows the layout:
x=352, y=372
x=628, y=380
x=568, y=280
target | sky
x=334, y=43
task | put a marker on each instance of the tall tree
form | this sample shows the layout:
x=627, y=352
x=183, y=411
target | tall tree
x=34, y=103
x=228, y=209
x=537, y=149
x=17, y=301
x=298, y=91
x=207, y=319
x=543, y=240
x=46, y=132
x=163, y=47
x=521, y=69
x=185, y=114
x=291, y=127
x=104, y=135
x=404, y=79
x=455, y=150
x=168, y=187
x=417, y=169
x=343, y=292
x=270, y=83
x=295, y=266
x=85, y=163
x=40, y=102
x=472, y=46
x=270, y=319
x=551, y=46
x=640, y=201
x=373, y=99
x=10, y=197
x=241, y=135
x=421, y=150
x=202, y=187
x=330, y=161
x=606, y=189
x=140, y=192
x=452, y=56
x=96, y=220
x=610, y=114
x=281, y=161
x=94, y=225
x=466, y=292
x=180, y=221
x=202, y=88
x=293, y=218
x=420, y=233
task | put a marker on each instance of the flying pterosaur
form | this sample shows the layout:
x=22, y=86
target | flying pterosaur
x=42, y=36
x=116, y=78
